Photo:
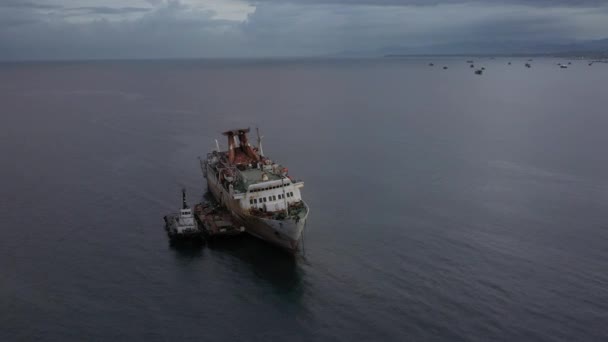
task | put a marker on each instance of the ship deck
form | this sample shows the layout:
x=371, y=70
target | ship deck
x=216, y=221
x=254, y=176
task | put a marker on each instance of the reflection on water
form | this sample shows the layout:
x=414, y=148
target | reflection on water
x=280, y=269
x=277, y=267
x=187, y=249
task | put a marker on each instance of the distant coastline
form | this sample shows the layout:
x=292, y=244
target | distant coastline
x=601, y=55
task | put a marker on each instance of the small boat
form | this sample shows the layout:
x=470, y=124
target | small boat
x=478, y=72
x=483, y=68
x=472, y=65
x=215, y=220
x=469, y=61
x=528, y=65
x=445, y=68
x=431, y=64
x=182, y=225
x=509, y=63
x=563, y=66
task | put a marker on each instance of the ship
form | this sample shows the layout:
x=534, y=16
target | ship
x=258, y=192
x=182, y=226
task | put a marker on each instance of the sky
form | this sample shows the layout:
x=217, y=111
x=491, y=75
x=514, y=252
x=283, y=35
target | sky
x=99, y=29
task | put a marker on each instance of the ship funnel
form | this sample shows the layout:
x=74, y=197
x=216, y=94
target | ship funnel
x=245, y=147
x=244, y=153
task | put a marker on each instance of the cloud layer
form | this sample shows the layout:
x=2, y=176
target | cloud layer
x=65, y=29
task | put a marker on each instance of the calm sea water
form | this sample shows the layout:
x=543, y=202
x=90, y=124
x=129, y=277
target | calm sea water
x=445, y=206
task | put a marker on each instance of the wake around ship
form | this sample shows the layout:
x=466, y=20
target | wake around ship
x=258, y=192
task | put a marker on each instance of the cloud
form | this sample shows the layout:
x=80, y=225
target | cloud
x=27, y=5
x=172, y=30
x=109, y=10
x=530, y=3
x=193, y=28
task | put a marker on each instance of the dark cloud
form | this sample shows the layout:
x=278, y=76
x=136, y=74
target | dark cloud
x=172, y=31
x=533, y=3
x=109, y=10
x=27, y=5
x=6, y=23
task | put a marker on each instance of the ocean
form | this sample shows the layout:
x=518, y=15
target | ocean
x=445, y=206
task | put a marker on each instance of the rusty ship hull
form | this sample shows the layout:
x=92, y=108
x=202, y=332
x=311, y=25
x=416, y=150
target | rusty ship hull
x=286, y=234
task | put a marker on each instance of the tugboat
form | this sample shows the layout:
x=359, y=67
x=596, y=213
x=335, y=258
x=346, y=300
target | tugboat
x=182, y=226
x=257, y=192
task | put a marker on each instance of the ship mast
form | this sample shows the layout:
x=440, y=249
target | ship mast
x=184, y=204
x=260, y=151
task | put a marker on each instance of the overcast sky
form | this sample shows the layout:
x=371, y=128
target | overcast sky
x=72, y=29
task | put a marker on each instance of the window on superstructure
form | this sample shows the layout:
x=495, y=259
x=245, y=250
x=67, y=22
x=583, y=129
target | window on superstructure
x=274, y=198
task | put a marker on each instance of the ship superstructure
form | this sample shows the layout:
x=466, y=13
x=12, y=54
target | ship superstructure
x=257, y=191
